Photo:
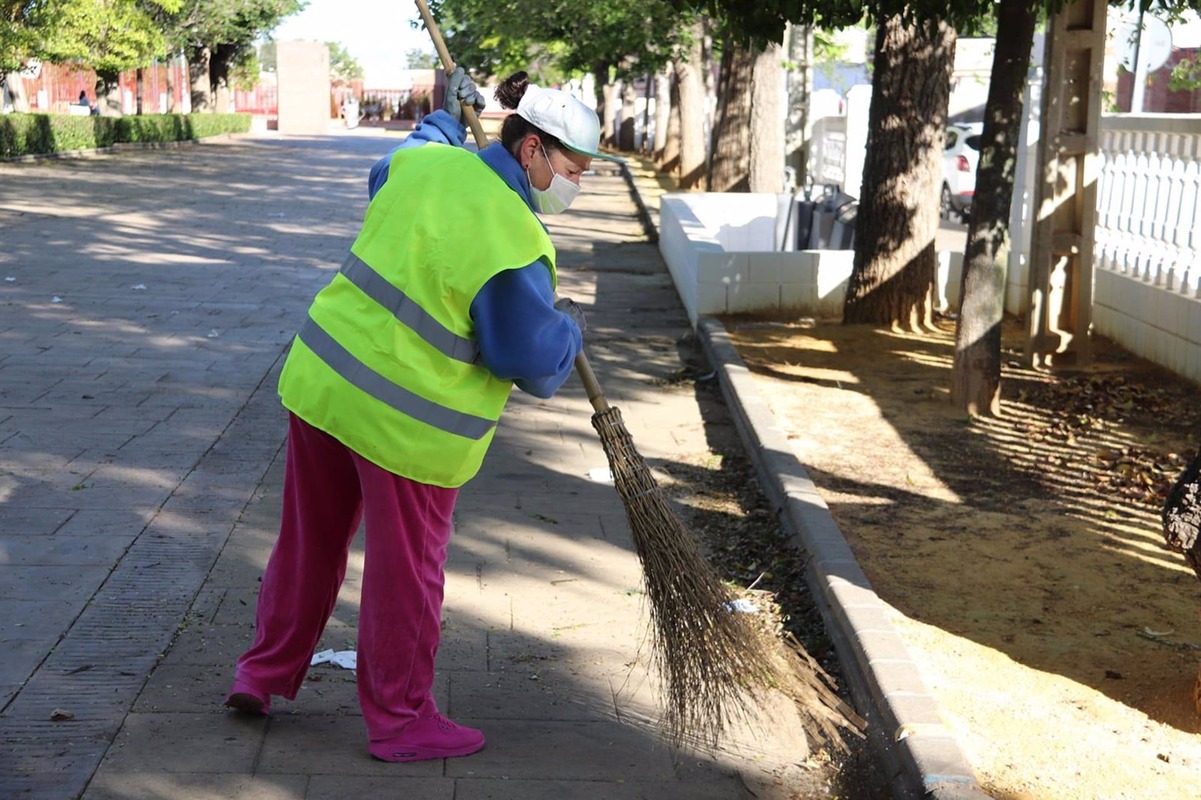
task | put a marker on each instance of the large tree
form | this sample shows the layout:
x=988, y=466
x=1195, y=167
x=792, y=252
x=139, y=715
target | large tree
x=109, y=36
x=217, y=35
x=748, y=135
x=895, y=261
x=613, y=40
x=976, y=372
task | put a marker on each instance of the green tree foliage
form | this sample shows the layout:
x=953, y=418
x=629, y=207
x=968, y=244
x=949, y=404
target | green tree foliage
x=219, y=35
x=107, y=35
x=560, y=37
x=343, y=67
x=420, y=58
x=18, y=37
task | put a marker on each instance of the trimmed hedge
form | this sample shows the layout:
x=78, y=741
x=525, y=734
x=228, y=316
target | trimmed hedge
x=42, y=134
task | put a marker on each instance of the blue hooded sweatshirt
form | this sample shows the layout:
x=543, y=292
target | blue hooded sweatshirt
x=536, y=348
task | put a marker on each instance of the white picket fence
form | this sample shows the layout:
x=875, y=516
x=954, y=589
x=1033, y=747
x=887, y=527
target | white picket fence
x=1147, y=282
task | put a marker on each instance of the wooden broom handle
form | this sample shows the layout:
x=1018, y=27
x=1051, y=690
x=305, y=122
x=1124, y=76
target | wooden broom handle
x=448, y=64
x=591, y=385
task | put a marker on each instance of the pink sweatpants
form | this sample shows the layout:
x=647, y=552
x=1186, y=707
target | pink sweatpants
x=327, y=490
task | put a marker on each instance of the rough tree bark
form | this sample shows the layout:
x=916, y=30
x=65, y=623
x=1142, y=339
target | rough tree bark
x=669, y=156
x=198, y=72
x=892, y=279
x=108, y=93
x=767, y=121
x=976, y=373
x=1182, y=515
x=729, y=166
x=605, y=92
x=219, y=69
x=625, y=134
x=16, y=92
x=692, y=114
x=662, y=112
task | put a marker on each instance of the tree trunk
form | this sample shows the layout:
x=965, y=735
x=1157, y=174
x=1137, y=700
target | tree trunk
x=669, y=158
x=729, y=169
x=16, y=92
x=625, y=134
x=663, y=108
x=800, y=90
x=892, y=280
x=604, y=102
x=140, y=87
x=198, y=72
x=219, y=69
x=767, y=121
x=108, y=94
x=976, y=373
x=692, y=114
x=171, y=84
x=648, y=81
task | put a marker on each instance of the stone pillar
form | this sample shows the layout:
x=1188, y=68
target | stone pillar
x=302, y=70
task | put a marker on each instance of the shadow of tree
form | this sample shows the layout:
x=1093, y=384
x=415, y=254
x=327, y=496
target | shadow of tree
x=1031, y=534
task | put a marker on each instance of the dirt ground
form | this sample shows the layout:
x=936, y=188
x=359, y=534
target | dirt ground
x=1023, y=555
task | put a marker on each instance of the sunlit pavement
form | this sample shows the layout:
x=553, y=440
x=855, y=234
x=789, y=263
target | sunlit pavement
x=148, y=298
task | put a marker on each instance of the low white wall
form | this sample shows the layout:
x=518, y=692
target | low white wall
x=1148, y=320
x=720, y=251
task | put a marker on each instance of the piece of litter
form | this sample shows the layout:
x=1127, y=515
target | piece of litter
x=61, y=715
x=138, y=287
x=743, y=606
x=600, y=475
x=56, y=299
x=10, y=279
x=346, y=659
x=214, y=333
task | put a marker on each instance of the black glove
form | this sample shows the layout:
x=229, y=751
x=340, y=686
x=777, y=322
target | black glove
x=461, y=89
x=573, y=310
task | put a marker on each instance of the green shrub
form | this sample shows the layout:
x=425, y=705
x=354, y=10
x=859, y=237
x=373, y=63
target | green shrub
x=42, y=134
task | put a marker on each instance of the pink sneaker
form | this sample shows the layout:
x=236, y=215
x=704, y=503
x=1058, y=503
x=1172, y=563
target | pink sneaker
x=245, y=699
x=429, y=737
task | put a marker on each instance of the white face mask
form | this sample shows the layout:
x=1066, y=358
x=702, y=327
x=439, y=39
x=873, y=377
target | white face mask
x=558, y=196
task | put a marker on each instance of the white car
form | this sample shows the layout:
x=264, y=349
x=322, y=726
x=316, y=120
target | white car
x=960, y=156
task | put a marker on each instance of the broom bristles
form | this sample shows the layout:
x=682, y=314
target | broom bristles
x=712, y=661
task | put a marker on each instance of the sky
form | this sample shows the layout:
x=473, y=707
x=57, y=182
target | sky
x=376, y=33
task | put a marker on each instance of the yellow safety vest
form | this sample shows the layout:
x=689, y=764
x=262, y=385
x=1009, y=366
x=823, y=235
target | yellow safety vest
x=387, y=361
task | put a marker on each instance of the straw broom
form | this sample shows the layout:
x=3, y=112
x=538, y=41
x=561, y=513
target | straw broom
x=714, y=663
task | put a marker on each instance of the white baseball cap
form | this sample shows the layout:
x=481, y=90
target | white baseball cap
x=564, y=117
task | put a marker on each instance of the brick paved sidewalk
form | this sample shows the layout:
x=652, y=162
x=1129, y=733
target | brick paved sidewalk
x=152, y=297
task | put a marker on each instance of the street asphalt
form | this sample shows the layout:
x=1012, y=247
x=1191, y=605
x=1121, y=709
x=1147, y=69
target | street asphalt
x=147, y=299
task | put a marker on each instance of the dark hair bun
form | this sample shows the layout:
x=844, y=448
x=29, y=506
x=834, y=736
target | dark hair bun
x=511, y=89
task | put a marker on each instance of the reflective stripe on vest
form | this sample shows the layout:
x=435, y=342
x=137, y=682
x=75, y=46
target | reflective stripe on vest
x=410, y=314
x=358, y=374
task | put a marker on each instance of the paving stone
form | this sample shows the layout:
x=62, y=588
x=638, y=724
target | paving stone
x=198, y=742
x=554, y=750
x=725, y=788
x=110, y=785
x=328, y=745
x=177, y=450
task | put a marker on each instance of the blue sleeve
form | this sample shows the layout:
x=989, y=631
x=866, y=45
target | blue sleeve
x=522, y=336
x=438, y=127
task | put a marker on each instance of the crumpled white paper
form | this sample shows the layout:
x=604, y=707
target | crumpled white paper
x=600, y=475
x=742, y=606
x=346, y=659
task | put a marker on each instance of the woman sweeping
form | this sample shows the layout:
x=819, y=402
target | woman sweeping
x=394, y=386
